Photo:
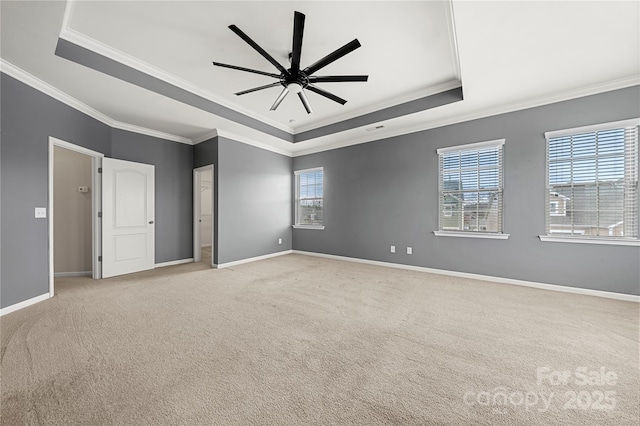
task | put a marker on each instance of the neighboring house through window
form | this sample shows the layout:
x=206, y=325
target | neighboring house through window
x=470, y=183
x=592, y=182
x=309, y=198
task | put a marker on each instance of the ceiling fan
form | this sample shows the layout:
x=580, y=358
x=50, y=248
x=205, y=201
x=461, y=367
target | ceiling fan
x=295, y=79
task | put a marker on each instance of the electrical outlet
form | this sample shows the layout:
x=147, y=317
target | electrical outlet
x=409, y=250
x=279, y=240
x=393, y=249
x=41, y=212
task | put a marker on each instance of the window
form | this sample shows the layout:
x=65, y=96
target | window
x=592, y=181
x=470, y=189
x=309, y=198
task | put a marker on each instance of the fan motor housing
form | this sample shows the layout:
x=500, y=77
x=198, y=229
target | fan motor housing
x=299, y=78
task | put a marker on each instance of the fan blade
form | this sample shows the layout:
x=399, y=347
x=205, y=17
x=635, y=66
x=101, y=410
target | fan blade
x=326, y=94
x=235, y=67
x=259, y=49
x=305, y=101
x=338, y=78
x=278, y=101
x=255, y=89
x=337, y=54
x=298, y=31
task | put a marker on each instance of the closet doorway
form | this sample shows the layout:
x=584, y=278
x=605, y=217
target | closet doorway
x=203, y=215
x=74, y=200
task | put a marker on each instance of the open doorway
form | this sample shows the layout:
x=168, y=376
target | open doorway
x=74, y=203
x=203, y=215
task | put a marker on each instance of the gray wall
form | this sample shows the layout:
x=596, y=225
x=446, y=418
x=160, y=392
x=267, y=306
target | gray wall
x=28, y=117
x=173, y=189
x=386, y=193
x=253, y=201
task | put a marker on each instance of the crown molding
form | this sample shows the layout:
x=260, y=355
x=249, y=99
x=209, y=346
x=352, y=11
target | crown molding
x=34, y=82
x=102, y=49
x=244, y=140
x=453, y=38
x=19, y=74
x=477, y=114
x=73, y=36
x=150, y=132
x=206, y=136
x=389, y=103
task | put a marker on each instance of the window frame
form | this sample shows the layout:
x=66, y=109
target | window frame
x=296, y=176
x=501, y=235
x=549, y=236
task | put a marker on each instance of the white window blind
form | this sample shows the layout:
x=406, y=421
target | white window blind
x=592, y=182
x=309, y=197
x=470, y=187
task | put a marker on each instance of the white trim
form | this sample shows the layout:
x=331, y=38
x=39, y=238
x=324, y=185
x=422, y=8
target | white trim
x=634, y=122
x=426, y=124
x=206, y=136
x=150, y=132
x=473, y=234
x=314, y=169
x=470, y=146
x=96, y=196
x=24, y=304
x=579, y=240
x=378, y=106
x=68, y=11
x=453, y=39
x=96, y=222
x=35, y=83
x=318, y=227
x=173, y=262
x=252, y=259
x=69, y=34
x=76, y=148
x=500, y=280
x=72, y=274
x=248, y=141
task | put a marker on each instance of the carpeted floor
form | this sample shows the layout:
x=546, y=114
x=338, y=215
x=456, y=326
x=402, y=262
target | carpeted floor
x=299, y=340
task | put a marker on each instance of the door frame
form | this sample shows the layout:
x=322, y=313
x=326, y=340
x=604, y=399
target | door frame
x=197, y=201
x=96, y=201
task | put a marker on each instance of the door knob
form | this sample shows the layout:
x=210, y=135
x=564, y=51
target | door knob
x=150, y=222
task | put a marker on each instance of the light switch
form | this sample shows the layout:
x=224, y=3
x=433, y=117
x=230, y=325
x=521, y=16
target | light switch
x=41, y=212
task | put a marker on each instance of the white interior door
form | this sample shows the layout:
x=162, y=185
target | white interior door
x=128, y=209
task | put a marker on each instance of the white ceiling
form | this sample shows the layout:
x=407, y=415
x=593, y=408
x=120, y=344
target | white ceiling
x=508, y=55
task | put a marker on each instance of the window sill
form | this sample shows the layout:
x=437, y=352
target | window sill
x=318, y=227
x=578, y=240
x=471, y=235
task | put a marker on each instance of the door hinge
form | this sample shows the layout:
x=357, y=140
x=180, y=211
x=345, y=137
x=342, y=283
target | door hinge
x=99, y=169
x=99, y=214
x=99, y=258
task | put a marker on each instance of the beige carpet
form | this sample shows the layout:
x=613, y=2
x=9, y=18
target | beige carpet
x=299, y=340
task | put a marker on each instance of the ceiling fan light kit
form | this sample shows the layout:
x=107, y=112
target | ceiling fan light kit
x=294, y=79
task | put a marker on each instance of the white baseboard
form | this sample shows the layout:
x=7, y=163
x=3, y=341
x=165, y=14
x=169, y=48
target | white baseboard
x=23, y=304
x=174, y=262
x=252, y=259
x=73, y=274
x=552, y=287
